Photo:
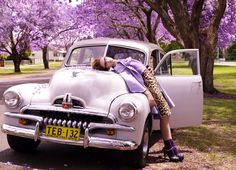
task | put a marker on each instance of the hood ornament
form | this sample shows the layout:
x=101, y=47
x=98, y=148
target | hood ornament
x=67, y=101
x=75, y=73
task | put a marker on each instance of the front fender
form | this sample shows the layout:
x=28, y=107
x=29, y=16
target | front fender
x=141, y=102
x=26, y=91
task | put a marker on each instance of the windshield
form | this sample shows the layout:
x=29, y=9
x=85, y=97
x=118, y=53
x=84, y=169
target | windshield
x=83, y=55
x=122, y=53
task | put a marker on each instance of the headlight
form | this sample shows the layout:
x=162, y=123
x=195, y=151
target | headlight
x=127, y=111
x=12, y=99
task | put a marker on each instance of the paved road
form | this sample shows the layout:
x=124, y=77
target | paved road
x=3, y=141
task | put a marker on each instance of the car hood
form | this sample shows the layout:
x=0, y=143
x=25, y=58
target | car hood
x=94, y=88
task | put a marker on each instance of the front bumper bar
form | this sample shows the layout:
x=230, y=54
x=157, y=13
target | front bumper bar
x=85, y=141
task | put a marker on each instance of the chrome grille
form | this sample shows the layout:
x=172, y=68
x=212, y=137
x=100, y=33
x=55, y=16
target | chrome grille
x=64, y=123
x=58, y=118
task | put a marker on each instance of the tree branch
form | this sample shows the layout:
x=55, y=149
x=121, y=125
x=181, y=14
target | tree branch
x=161, y=8
x=219, y=12
x=196, y=12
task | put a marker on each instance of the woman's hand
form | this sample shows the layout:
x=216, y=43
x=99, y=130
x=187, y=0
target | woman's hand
x=150, y=98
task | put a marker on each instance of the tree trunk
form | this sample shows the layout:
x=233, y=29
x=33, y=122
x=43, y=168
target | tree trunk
x=17, y=61
x=45, y=59
x=206, y=67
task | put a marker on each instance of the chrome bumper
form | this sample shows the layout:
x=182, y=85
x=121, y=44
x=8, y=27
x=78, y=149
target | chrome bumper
x=85, y=141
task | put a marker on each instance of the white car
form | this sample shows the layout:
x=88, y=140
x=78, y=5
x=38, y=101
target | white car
x=91, y=108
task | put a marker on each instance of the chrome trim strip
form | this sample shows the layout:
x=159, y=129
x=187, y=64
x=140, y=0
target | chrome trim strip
x=86, y=138
x=110, y=126
x=71, y=110
x=24, y=116
x=86, y=141
x=12, y=130
x=36, y=132
x=112, y=144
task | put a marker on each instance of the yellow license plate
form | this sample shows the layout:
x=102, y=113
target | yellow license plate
x=62, y=132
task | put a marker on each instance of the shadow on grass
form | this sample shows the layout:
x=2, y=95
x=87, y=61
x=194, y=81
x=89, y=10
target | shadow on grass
x=227, y=76
x=217, y=132
x=221, y=110
x=205, y=139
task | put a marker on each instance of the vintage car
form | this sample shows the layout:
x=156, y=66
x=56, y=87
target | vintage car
x=91, y=108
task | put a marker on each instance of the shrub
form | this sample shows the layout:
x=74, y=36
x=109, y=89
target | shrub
x=3, y=57
x=231, y=52
x=174, y=45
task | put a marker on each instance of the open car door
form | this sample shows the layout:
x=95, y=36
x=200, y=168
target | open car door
x=178, y=72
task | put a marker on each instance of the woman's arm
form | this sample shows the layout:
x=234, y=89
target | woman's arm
x=150, y=98
x=138, y=66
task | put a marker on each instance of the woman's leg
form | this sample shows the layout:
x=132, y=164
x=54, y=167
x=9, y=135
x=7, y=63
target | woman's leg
x=153, y=86
x=169, y=146
x=165, y=128
x=163, y=107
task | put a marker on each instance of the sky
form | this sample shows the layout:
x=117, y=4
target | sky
x=76, y=2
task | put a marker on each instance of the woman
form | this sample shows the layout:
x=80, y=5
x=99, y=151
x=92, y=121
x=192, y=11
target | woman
x=140, y=79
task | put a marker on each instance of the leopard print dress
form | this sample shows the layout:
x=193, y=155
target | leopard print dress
x=154, y=87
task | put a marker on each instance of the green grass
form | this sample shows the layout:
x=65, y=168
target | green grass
x=216, y=136
x=218, y=127
x=28, y=69
x=225, y=79
x=181, y=68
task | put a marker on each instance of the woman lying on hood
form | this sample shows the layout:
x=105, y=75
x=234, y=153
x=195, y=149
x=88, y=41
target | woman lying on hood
x=140, y=79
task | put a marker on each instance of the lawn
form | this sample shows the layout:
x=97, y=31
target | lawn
x=8, y=70
x=212, y=145
x=225, y=79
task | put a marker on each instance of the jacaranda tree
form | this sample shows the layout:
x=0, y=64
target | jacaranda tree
x=50, y=19
x=27, y=25
x=194, y=24
x=124, y=19
x=201, y=24
x=14, y=32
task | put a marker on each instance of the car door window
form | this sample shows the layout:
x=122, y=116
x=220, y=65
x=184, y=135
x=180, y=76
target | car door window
x=179, y=74
x=154, y=59
x=182, y=63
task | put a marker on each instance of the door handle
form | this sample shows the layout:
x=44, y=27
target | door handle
x=198, y=82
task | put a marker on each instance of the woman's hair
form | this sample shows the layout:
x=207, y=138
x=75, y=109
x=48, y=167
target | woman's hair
x=97, y=65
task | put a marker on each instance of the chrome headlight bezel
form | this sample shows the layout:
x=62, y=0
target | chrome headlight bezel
x=12, y=99
x=127, y=112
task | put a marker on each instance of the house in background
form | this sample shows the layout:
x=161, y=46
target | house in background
x=52, y=55
x=36, y=57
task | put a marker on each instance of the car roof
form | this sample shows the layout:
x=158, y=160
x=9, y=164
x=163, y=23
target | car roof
x=146, y=46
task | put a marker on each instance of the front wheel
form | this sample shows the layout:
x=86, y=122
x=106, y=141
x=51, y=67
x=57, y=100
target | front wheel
x=20, y=144
x=139, y=156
